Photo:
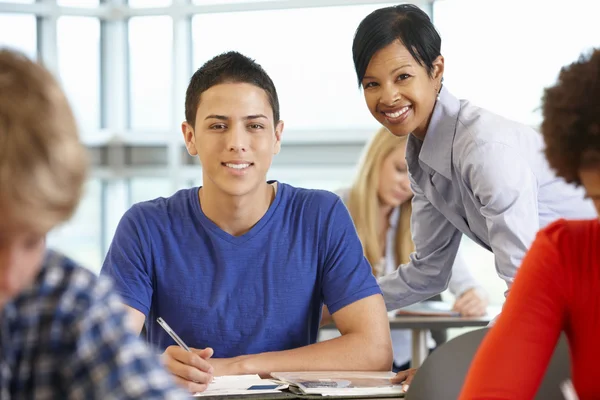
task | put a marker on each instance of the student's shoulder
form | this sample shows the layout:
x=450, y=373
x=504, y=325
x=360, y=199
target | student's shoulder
x=572, y=235
x=315, y=199
x=574, y=253
x=177, y=202
x=146, y=217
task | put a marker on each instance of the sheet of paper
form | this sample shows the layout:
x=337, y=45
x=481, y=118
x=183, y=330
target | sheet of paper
x=240, y=385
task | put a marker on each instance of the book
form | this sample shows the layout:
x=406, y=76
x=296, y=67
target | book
x=341, y=383
x=429, y=308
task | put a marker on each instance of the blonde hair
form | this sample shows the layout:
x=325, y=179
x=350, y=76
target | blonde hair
x=42, y=162
x=363, y=201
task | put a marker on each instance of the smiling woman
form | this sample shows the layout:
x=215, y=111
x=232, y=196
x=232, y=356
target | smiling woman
x=400, y=68
x=472, y=171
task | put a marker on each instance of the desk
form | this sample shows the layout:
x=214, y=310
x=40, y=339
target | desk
x=419, y=325
x=289, y=396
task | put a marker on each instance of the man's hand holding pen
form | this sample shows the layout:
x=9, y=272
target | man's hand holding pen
x=191, y=369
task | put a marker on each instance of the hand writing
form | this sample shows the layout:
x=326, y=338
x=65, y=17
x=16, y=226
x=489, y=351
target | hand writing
x=191, y=369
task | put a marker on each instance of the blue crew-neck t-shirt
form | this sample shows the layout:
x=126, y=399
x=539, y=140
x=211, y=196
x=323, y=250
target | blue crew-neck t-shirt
x=258, y=292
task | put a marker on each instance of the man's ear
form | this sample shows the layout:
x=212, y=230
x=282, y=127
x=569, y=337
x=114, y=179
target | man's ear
x=278, y=134
x=190, y=138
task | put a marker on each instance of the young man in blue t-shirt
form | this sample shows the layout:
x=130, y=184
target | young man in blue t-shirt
x=242, y=266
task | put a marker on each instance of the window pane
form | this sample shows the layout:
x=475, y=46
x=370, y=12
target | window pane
x=150, y=44
x=312, y=68
x=205, y=2
x=79, y=3
x=79, y=238
x=78, y=41
x=150, y=3
x=505, y=68
x=143, y=189
x=314, y=177
x=19, y=32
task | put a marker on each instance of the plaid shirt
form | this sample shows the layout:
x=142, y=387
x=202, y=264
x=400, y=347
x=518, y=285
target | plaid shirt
x=65, y=338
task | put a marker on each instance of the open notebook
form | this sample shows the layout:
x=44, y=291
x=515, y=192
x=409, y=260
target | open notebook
x=340, y=383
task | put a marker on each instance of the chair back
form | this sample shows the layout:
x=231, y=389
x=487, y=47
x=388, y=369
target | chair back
x=443, y=373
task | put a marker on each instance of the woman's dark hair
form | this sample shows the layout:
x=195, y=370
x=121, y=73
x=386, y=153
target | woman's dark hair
x=571, y=112
x=405, y=22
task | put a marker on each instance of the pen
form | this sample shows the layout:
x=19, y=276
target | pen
x=171, y=333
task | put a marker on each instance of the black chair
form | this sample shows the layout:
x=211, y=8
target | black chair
x=559, y=369
x=442, y=375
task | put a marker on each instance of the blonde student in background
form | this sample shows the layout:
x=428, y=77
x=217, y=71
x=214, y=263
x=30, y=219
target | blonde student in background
x=379, y=202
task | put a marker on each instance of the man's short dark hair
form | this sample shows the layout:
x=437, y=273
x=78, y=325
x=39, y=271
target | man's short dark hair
x=230, y=67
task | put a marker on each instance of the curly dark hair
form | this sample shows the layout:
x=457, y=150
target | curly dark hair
x=571, y=112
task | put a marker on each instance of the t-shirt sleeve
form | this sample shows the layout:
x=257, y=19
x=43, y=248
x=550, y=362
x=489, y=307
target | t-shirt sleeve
x=128, y=263
x=514, y=355
x=347, y=275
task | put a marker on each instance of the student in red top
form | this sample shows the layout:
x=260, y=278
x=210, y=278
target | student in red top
x=558, y=285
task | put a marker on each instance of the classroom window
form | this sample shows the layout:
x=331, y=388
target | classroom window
x=150, y=47
x=79, y=68
x=19, y=32
x=79, y=3
x=143, y=189
x=503, y=56
x=211, y=2
x=79, y=238
x=149, y=3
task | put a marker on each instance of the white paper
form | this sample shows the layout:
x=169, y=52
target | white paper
x=238, y=385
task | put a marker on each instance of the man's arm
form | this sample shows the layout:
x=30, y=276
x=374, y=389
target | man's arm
x=365, y=345
x=428, y=271
x=127, y=265
x=135, y=319
x=326, y=317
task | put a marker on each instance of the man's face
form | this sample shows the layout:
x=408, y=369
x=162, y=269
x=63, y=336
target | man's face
x=234, y=136
x=21, y=254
